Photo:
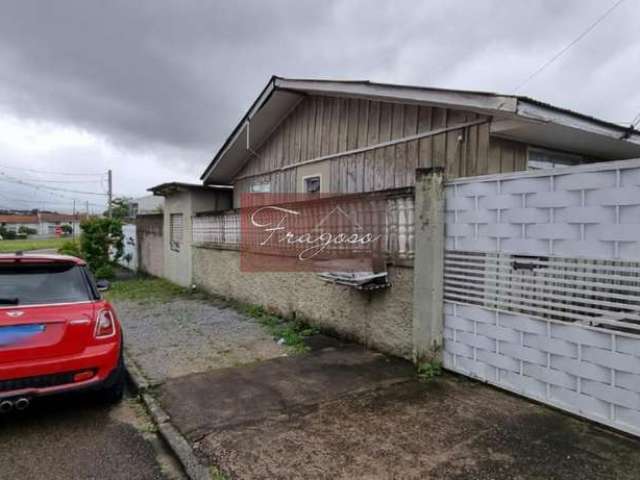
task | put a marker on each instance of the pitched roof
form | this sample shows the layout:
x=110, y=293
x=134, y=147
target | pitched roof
x=61, y=217
x=170, y=188
x=537, y=122
x=19, y=219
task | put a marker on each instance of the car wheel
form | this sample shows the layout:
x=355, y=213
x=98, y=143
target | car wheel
x=114, y=391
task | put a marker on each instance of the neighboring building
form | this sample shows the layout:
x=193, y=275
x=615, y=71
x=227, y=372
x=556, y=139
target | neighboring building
x=44, y=223
x=49, y=221
x=147, y=205
x=361, y=137
x=182, y=201
x=13, y=223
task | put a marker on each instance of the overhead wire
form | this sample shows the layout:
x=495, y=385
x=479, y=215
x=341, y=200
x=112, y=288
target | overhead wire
x=583, y=34
x=48, y=172
x=6, y=178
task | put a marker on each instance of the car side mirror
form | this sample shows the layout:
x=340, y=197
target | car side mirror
x=102, y=285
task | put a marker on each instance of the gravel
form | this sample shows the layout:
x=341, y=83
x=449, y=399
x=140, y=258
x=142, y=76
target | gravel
x=184, y=336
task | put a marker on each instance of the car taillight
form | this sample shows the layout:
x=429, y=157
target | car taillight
x=105, y=324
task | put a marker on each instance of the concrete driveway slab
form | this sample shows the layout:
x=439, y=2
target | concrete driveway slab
x=346, y=413
x=444, y=430
x=223, y=398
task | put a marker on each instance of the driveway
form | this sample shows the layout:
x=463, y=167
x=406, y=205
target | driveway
x=340, y=411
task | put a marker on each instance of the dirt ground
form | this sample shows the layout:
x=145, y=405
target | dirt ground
x=343, y=412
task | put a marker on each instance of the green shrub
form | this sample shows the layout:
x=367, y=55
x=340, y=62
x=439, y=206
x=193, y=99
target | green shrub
x=104, y=272
x=8, y=234
x=70, y=247
x=101, y=243
x=24, y=230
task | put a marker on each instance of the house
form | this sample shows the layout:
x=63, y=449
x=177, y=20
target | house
x=338, y=137
x=182, y=202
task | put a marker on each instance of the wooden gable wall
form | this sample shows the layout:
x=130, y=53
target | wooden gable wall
x=321, y=125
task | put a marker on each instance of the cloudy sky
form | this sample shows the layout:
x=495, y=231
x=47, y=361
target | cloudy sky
x=150, y=89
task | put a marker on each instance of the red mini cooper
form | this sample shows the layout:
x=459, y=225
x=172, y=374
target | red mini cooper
x=57, y=333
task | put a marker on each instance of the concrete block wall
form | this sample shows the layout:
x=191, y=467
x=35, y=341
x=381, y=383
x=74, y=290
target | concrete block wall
x=381, y=319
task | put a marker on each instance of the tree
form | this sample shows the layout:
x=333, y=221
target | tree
x=101, y=244
x=119, y=208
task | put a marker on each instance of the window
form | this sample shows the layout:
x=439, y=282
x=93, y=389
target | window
x=541, y=159
x=260, y=187
x=312, y=184
x=42, y=283
x=176, y=231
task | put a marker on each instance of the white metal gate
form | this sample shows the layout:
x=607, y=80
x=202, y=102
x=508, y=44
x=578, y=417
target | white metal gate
x=542, y=287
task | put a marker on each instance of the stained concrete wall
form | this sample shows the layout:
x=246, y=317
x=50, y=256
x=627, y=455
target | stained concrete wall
x=381, y=319
x=177, y=263
x=150, y=244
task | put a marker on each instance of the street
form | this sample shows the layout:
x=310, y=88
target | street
x=73, y=438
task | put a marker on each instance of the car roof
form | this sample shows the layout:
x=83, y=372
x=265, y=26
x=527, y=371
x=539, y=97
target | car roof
x=39, y=258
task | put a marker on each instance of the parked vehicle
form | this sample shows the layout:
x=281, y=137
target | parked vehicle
x=57, y=333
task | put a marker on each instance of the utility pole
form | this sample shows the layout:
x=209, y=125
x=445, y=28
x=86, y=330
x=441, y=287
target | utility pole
x=74, y=221
x=110, y=191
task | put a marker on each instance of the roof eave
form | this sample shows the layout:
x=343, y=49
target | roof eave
x=255, y=106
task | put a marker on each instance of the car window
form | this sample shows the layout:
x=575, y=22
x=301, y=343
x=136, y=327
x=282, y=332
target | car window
x=35, y=284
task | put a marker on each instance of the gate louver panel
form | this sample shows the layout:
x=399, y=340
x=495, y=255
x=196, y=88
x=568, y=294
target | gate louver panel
x=542, y=287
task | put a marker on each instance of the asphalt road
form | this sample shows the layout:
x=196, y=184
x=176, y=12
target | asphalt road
x=74, y=438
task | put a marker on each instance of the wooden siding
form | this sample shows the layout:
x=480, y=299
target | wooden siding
x=321, y=125
x=506, y=156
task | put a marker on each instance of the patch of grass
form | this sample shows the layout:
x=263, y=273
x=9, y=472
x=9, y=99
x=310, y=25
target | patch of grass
x=9, y=246
x=145, y=289
x=217, y=474
x=145, y=424
x=429, y=370
x=291, y=331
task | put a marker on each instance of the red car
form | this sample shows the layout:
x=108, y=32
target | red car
x=57, y=333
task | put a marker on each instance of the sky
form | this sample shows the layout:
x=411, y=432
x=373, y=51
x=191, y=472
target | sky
x=150, y=89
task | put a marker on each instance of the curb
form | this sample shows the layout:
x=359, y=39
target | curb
x=175, y=440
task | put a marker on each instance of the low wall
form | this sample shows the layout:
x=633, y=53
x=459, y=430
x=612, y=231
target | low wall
x=150, y=244
x=381, y=319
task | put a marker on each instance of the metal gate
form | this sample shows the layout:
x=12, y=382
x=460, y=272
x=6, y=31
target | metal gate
x=542, y=287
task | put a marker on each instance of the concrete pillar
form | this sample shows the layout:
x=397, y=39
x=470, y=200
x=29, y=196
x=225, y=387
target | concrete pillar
x=428, y=308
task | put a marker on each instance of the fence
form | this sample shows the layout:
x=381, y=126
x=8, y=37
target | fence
x=391, y=211
x=129, y=257
x=542, y=287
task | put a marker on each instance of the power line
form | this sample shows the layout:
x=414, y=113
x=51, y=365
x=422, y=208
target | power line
x=48, y=180
x=53, y=194
x=571, y=44
x=6, y=178
x=49, y=202
x=103, y=174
